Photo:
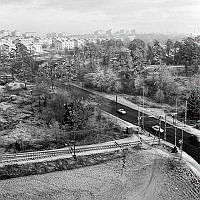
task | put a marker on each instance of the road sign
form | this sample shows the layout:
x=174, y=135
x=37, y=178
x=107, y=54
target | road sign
x=180, y=141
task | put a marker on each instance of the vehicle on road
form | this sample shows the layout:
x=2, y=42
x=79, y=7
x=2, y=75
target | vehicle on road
x=157, y=128
x=121, y=111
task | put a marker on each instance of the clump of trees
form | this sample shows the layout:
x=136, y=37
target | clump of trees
x=103, y=80
x=193, y=107
x=127, y=66
x=112, y=66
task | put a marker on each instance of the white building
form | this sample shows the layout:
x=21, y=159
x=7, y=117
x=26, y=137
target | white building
x=27, y=41
x=46, y=41
x=69, y=44
x=35, y=49
x=81, y=43
x=29, y=34
x=38, y=49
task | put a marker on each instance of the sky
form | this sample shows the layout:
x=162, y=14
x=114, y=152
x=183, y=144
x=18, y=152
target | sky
x=86, y=16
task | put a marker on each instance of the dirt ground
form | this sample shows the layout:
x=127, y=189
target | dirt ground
x=141, y=175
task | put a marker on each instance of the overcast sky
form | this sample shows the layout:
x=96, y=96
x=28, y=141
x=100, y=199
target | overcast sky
x=84, y=16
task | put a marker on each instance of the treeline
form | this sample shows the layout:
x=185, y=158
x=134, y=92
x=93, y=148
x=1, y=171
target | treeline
x=119, y=68
x=114, y=67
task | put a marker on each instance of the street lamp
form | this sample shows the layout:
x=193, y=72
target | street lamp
x=182, y=135
x=74, y=151
x=138, y=119
x=181, y=145
x=116, y=101
x=143, y=106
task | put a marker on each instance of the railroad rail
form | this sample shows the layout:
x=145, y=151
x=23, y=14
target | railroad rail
x=31, y=156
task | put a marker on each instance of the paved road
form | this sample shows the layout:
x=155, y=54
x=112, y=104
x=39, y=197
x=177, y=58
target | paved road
x=132, y=117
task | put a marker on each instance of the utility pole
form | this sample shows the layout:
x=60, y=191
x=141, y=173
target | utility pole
x=138, y=119
x=74, y=151
x=181, y=145
x=165, y=134
x=175, y=125
x=116, y=101
x=143, y=107
x=159, y=128
x=185, y=121
x=182, y=135
x=74, y=134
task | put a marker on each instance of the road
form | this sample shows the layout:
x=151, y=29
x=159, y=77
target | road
x=132, y=117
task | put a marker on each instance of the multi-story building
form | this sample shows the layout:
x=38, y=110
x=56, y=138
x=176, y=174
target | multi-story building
x=29, y=34
x=45, y=41
x=27, y=41
x=35, y=49
x=71, y=44
x=81, y=43
x=58, y=44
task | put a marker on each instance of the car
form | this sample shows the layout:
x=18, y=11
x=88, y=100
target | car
x=157, y=128
x=121, y=111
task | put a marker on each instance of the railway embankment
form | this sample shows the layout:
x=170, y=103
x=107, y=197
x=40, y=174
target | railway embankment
x=69, y=163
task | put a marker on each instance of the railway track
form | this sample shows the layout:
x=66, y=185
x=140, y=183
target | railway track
x=31, y=156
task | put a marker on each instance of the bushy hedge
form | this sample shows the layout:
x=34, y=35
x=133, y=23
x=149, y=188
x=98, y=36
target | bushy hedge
x=16, y=170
